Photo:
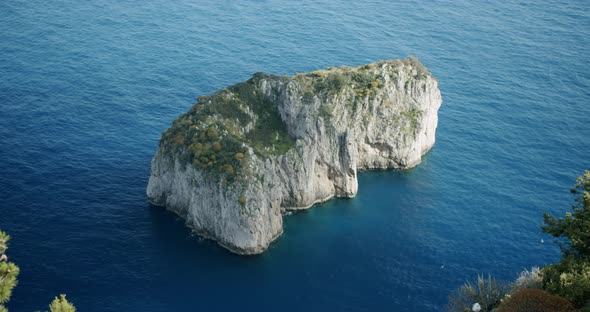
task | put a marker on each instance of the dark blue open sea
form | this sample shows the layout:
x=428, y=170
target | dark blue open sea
x=87, y=88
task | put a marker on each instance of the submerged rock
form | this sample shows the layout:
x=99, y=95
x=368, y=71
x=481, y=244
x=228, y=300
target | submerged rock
x=244, y=154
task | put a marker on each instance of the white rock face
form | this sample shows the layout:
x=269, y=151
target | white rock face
x=337, y=134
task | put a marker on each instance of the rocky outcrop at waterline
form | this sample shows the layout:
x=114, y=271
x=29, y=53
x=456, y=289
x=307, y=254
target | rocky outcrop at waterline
x=241, y=156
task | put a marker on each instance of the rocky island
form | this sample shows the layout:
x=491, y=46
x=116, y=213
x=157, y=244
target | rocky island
x=242, y=156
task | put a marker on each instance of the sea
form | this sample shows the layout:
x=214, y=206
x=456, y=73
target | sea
x=88, y=87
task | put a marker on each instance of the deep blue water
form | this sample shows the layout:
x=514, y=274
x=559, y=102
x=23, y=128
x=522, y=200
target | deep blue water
x=87, y=87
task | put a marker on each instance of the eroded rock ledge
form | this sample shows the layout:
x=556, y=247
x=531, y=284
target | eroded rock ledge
x=244, y=154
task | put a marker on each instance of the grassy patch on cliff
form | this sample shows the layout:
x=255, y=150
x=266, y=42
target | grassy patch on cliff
x=365, y=81
x=269, y=135
x=214, y=135
x=325, y=84
x=208, y=148
x=412, y=117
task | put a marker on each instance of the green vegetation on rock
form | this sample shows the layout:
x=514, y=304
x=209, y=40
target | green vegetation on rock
x=411, y=117
x=358, y=84
x=212, y=134
x=328, y=82
x=421, y=70
x=269, y=135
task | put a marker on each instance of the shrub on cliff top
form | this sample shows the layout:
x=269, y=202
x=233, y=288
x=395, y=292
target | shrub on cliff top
x=529, y=279
x=535, y=300
x=61, y=304
x=570, y=278
x=488, y=293
x=415, y=63
x=218, y=121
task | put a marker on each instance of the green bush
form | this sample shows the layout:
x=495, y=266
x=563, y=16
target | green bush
x=570, y=278
x=574, y=228
x=209, y=151
x=535, y=300
x=487, y=292
x=529, y=279
x=415, y=64
x=329, y=82
x=61, y=304
x=210, y=135
x=337, y=81
x=8, y=272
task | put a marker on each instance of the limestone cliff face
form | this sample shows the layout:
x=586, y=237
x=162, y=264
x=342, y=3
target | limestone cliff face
x=242, y=156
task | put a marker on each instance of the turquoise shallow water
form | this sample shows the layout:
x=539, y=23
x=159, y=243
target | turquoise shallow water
x=86, y=88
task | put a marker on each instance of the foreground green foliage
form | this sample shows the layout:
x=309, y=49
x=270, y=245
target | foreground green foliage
x=570, y=278
x=8, y=280
x=61, y=304
x=4, y=238
x=8, y=272
x=535, y=300
x=488, y=293
x=574, y=228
